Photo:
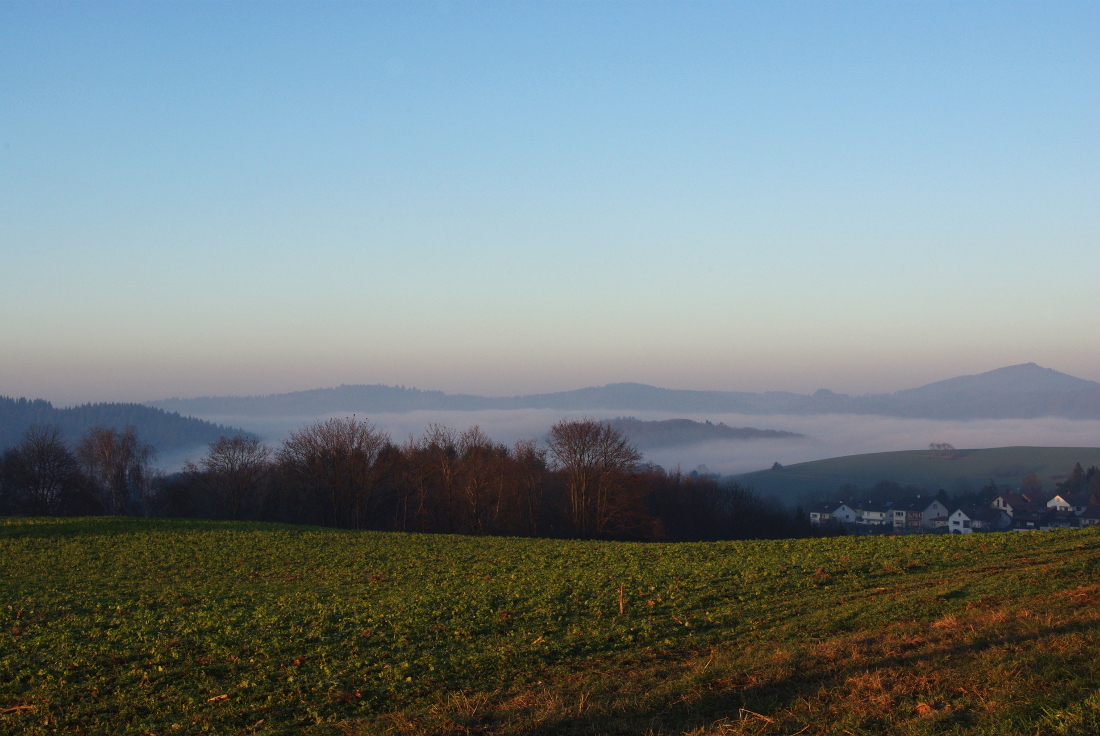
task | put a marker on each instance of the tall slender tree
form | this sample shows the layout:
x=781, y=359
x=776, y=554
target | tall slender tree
x=117, y=466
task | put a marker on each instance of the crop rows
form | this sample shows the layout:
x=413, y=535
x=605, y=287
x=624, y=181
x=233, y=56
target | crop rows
x=144, y=626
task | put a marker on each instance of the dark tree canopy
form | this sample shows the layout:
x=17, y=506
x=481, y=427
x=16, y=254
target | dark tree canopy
x=164, y=430
x=41, y=475
x=337, y=464
x=587, y=481
x=232, y=474
x=596, y=459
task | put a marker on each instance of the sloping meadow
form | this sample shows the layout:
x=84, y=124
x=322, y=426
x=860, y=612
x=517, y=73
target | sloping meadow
x=172, y=627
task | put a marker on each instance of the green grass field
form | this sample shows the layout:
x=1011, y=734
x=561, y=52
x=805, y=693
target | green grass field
x=129, y=626
x=922, y=468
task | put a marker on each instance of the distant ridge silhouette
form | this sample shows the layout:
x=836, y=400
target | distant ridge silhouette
x=680, y=432
x=166, y=431
x=1020, y=391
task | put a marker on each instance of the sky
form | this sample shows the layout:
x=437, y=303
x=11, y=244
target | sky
x=507, y=198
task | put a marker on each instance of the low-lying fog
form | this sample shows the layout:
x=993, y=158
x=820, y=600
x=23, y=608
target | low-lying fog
x=830, y=435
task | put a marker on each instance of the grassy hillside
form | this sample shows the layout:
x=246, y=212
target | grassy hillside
x=115, y=626
x=923, y=468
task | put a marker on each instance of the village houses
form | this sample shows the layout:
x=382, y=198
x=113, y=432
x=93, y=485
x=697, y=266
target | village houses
x=1028, y=511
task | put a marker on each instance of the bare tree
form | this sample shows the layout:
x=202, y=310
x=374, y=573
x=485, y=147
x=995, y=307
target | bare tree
x=465, y=482
x=944, y=449
x=41, y=471
x=338, y=463
x=232, y=473
x=117, y=466
x=432, y=464
x=530, y=468
x=413, y=481
x=595, y=458
x=481, y=481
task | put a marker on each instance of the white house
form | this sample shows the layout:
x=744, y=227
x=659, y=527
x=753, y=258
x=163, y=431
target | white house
x=934, y=515
x=907, y=517
x=1059, y=503
x=977, y=519
x=960, y=522
x=1013, y=502
x=826, y=510
x=872, y=512
x=820, y=512
x=845, y=513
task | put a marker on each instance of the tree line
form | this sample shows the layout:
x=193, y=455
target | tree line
x=586, y=481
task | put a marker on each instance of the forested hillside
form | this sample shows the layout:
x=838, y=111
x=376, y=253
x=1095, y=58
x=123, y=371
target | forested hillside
x=678, y=432
x=163, y=430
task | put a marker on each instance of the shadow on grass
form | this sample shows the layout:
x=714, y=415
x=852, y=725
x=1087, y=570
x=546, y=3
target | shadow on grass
x=861, y=691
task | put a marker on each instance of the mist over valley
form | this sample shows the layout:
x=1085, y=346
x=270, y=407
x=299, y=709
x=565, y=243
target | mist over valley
x=1018, y=405
x=722, y=432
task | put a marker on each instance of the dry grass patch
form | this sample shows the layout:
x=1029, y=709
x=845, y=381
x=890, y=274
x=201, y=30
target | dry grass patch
x=975, y=671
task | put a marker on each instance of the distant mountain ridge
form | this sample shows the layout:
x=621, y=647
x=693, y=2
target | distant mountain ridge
x=1023, y=378
x=166, y=431
x=1015, y=392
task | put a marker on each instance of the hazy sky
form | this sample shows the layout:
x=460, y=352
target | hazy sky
x=501, y=198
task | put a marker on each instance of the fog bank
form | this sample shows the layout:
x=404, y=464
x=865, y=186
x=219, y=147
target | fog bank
x=830, y=435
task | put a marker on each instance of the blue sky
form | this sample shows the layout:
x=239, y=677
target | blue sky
x=499, y=198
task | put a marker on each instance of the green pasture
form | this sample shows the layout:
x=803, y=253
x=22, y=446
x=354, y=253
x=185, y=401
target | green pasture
x=968, y=470
x=134, y=626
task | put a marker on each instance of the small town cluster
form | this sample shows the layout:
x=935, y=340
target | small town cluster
x=1024, y=511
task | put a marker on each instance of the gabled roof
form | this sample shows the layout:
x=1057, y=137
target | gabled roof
x=1013, y=499
x=825, y=507
x=913, y=503
x=873, y=506
x=1059, y=518
x=1039, y=498
x=1092, y=511
x=1029, y=510
x=989, y=516
x=980, y=513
